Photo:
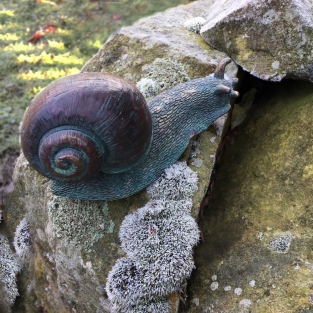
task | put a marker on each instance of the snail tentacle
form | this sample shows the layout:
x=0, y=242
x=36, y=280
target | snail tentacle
x=220, y=68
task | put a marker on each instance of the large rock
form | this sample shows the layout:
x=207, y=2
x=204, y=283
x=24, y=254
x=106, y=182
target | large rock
x=270, y=39
x=74, y=244
x=257, y=250
x=130, y=51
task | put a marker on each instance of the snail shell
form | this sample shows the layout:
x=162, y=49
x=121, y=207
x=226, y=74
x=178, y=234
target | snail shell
x=94, y=135
x=86, y=123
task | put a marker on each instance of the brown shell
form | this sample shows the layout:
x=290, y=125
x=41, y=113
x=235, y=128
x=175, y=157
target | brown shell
x=85, y=123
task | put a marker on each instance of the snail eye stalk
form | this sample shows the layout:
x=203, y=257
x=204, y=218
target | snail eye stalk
x=220, y=68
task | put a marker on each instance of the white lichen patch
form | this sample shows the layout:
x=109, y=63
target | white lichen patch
x=214, y=285
x=159, y=237
x=275, y=65
x=227, y=288
x=260, y=235
x=9, y=267
x=195, y=24
x=148, y=87
x=270, y=16
x=219, y=124
x=124, y=284
x=281, y=244
x=252, y=283
x=308, y=171
x=31, y=286
x=165, y=74
x=128, y=292
x=178, y=182
x=49, y=257
x=197, y=162
x=238, y=291
x=195, y=149
x=212, y=139
x=81, y=223
x=157, y=305
x=21, y=241
x=158, y=240
x=246, y=303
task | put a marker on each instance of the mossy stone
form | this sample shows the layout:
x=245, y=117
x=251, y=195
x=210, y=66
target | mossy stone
x=262, y=194
x=69, y=277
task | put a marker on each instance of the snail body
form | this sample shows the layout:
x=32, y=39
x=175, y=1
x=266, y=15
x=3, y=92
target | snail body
x=94, y=135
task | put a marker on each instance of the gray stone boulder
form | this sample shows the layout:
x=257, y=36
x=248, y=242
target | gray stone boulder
x=141, y=50
x=270, y=39
x=66, y=247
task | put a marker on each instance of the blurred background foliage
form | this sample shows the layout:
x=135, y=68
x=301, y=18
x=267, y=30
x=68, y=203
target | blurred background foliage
x=42, y=40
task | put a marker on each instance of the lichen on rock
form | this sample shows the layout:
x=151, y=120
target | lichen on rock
x=22, y=239
x=72, y=284
x=281, y=244
x=258, y=227
x=157, y=305
x=127, y=290
x=269, y=39
x=9, y=267
x=148, y=87
x=176, y=183
x=161, y=75
x=82, y=223
x=124, y=285
x=195, y=24
x=158, y=240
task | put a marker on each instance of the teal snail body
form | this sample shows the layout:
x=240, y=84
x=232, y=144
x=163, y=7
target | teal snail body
x=96, y=138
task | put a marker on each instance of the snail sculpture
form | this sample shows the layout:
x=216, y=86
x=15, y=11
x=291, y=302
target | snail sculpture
x=96, y=138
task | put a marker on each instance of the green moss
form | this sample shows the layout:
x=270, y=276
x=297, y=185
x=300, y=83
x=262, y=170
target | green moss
x=262, y=191
x=242, y=46
x=40, y=268
x=82, y=223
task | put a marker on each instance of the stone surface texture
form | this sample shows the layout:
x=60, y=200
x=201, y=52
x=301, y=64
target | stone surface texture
x=66, y=272
x=271, y=39
x=257, y=250
x=130, y=51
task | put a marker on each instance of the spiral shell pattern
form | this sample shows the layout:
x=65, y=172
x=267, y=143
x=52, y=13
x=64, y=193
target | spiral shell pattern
x=86, y=123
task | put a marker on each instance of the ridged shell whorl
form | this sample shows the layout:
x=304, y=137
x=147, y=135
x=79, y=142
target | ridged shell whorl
x=86, y=123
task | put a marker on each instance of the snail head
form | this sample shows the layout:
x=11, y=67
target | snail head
x=215, y=92
x=225, y=86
